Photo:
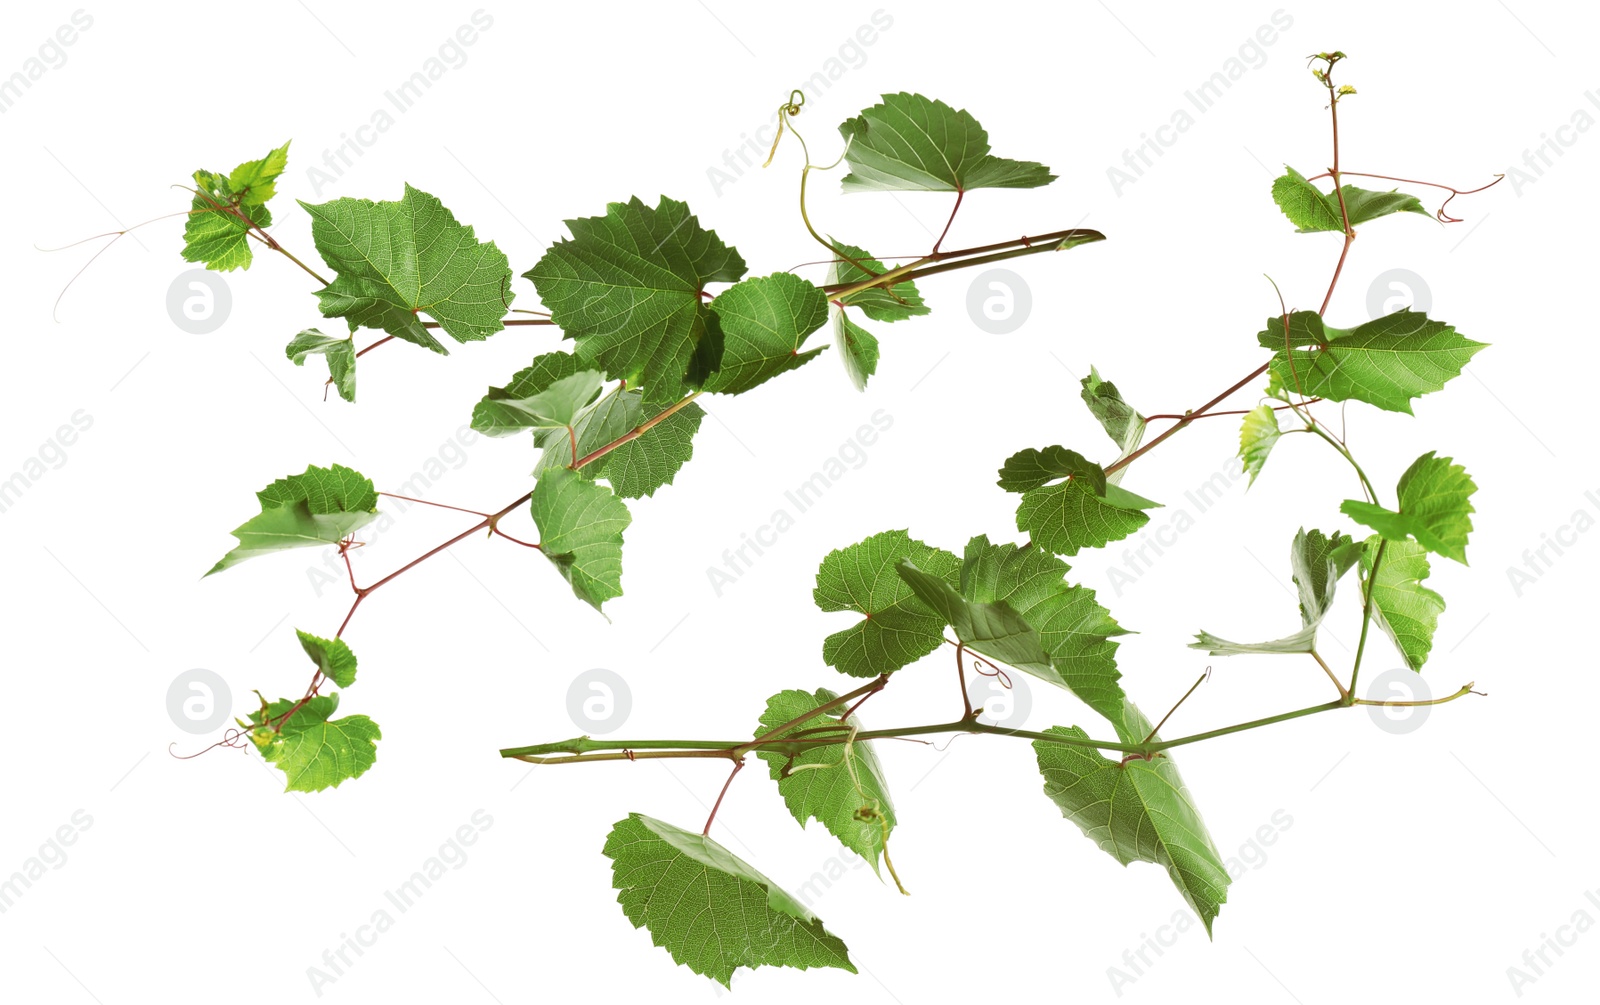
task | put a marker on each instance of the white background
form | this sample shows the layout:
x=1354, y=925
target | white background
x=1415, y=865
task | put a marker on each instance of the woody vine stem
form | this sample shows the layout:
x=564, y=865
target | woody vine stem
x=781, y=740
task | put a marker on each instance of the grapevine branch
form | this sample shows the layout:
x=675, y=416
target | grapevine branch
x=786, y=740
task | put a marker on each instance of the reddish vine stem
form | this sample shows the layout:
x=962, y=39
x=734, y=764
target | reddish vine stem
x=738, y=766
x=1439, y=214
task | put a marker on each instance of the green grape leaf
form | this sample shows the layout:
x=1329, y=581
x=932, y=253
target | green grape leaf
x=1137, y=812
x=1257, y=436
x=332, y=656
x=898, y=628
x=552, y=409
x=1082, y=511
x=857, y=347
x=1317, y=563
x=1312, y=210
x=641, y=465
x=1435, y=508
x=626, y=289
x=1407, y=611
x=764, y=322
x=314, y=750
x=580, y=527
x=216, y=232
x=876, y=303
x=992, y=628
x=501, y=412
x=913, y=143
x=1386, y=362
x=1072, y=627
x=340, y=353
x=841, y=786
x=709, y=908
x=1118, y=418
x=319, y=506
x=397, y=261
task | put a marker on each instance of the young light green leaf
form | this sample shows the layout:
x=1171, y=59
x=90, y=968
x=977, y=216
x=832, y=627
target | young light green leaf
x=502, y=411
x=580, y=526
x=333, y=657
x=626, y=289
x=1257, y=436
x=1072, y=626
x=1139, y=811
x=217, y=231
x=319, y=506
x=913, y=143
x=314, y=750
x=764, y=322
x=857, y=347
x=898, y=628
x=1118, y=418
x=1386, y=362
x=900, y=301
x=1407, y=611
x=1317, y=562
x=710, y=909
x=397, y=261
x=992, y=627
x=340, y=353
x=1435, y=508
x=1082, y=511
x=1312, y=210
x=841, y=786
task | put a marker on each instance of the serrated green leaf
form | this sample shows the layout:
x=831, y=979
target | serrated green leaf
x=1072, y=626
x=397, y=261
x=876, y=302
x=339, y=352
x=1118, y=418
x=1082, y=511
x=319, y=506
x=1312, y=210
x=626, y=289
x=1435, y=508
x=500, y=412
x=898, y=628
x=1386, y=362
x=1317, y=562
x=641, y=465
x=764, y=323
x=1407, y=611
x=857, y=347
x=1257, y=436
x=580, y=526
x=840, y=786
x=710, y=909
x=1139, y=811
x=913, y=143
x=314, y=750
x=333, y=657
x=216, y=231
x=992, y=628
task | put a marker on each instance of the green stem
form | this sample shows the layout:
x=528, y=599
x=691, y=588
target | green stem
x=1366, y=486
x=1366, y=622
x=1057, y=241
